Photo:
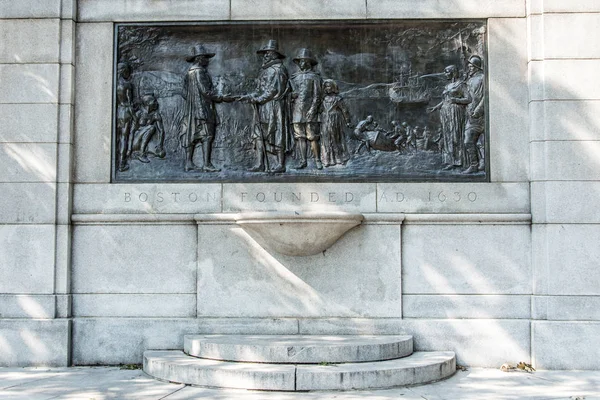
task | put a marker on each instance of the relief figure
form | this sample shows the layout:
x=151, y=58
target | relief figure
x=452, y=115
x=200, y=116
x=305, y=103
x=334, y=117
x=271, y=128
x=148, y=125
x=125, y=115
x=475, y=126
x=371, y=136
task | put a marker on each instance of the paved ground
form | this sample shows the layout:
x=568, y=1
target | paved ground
x=99, y=383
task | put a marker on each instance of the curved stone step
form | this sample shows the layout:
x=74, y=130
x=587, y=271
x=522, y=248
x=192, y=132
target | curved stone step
x=419, y=368
x=175, y=366
x=298, y=349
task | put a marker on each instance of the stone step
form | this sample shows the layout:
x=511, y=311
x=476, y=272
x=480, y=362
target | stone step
x=419, y=368
x=176, y=366
x=298, y=349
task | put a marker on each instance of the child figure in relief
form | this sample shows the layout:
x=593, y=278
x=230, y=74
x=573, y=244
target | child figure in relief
x=334, y=116
x=149, y=124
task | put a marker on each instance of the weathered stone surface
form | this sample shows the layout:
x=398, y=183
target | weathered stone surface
x=466, y=306
x=561, y=202
x=237, y=277
x=585, y=87
x=449, y=9
x=134, y=305
x=421, y=367
x=63, y=306
x=298, y=349
x=147, y=198
x=27, y=342
x=535, y=27
x=175, y=366
x=483, y=343
x=67, y=76
x=67, y=42
x=134, y=259
x=297, y=234
x=351, y=197
x=476, y=342
x=310, y=9
x=27, y=203
x=562, y=268
x=93, y=96
x=466, y=259
x=569, y=35
x=536, y=80
x=123, y=340
x=566, y=308
x=28, y=162
x=29, y=40
x=453, y=197
x=29, y=83
x=565, y=120
x=147, y=10
x=27, y=306
x=565, y=345
x=508, y=95
x=65, y=123
x=34, y=123
x=565, y=160
x=62, y=263
x=30, y=9
x=27, y=259
x=560, y=6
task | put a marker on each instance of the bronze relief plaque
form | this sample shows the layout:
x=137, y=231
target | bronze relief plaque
x=343, y=101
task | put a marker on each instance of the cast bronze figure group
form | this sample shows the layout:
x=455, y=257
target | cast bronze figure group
x=302, y=113
x=462, y=117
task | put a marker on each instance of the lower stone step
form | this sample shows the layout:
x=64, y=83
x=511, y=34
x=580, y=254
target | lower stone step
x=298, y=349
x=176, y=366
x=419, y=368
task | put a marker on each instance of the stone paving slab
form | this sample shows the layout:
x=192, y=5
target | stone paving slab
x=102, y=383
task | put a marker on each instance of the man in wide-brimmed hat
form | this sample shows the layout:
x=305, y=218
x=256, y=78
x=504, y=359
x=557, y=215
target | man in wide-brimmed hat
x=475, y=125
x=200, y=116
x=306, y=101
x=271, y=129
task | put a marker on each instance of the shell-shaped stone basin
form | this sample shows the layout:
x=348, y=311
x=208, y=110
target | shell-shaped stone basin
x=298, y=233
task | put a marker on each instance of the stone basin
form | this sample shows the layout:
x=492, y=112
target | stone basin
x=298, y=233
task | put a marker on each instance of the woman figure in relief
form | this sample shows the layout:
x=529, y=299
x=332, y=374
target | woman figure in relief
x=455, y=98
x=334, y=117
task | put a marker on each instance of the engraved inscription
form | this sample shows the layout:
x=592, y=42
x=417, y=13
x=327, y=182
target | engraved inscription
x=169, y=197
x=440, y=196
x=298, y=197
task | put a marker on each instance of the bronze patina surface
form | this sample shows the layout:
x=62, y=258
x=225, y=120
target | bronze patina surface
x=336, y=101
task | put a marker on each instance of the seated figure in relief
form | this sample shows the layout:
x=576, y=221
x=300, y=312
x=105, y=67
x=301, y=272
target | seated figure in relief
x=148, y=126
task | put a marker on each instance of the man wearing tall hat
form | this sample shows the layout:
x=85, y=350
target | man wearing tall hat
x=200, y=116
x=271, y=133
x=306, y=101
x=475, y=125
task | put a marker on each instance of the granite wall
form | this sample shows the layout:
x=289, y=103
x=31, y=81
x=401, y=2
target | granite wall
x=96, y=272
